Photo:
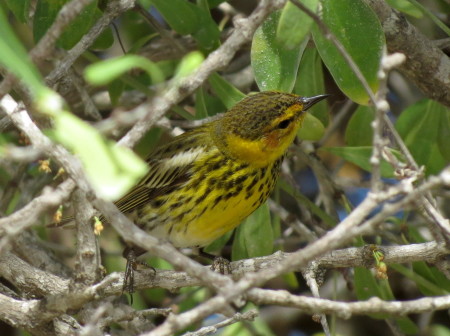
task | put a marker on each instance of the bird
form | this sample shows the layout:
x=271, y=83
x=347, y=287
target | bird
x=206, y=181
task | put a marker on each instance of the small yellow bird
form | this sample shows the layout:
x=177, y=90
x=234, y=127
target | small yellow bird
x=204, y=182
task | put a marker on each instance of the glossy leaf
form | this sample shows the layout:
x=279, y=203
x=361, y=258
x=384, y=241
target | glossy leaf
x=357, y=27
x=359, y=131
x=227, y=93
x=254, y=237
x=360, y=156
x=425, y=128
x=275, y=67
x=310, y=83
x=294, y=24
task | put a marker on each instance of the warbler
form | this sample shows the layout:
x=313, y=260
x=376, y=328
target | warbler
x=203, y=183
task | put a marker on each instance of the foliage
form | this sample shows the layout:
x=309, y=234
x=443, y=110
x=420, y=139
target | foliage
x=289, y=52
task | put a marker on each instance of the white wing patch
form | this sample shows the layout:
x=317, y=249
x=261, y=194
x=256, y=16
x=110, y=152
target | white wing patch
x=183, y=158
x=164, y=171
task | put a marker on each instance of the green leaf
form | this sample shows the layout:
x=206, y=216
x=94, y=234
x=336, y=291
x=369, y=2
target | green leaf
x=312, y=129
x=433, y=276
x=148, y=142
x=406, y=7
x=208, y=34
x=201, y=111
x=443, y=135
x=102, y=73
x=366, y=287
x=19, y=8
x=427, y=12
x=227, y=93
x=328, y=220
x=360, y=156
x=187, y=18
x=294, y=25
x=219, y=243
x=189, y=63
x=310, y=83
x=425, y=127
x=111, y=169
x=439, y=330
x=358, y=29
x=14, y=57
x=181, y=15
x=106, y=38
x=115, y=89
x=421, y=276
x=46, y=12
x=275, y=67
x=254, y=237
x=359, y=131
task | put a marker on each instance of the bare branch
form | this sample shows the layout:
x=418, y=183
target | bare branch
x=46, y=44
x=22, y=120
x=347, y=309
x=149, y=113
x=238, y=317
x=426, y=65
x=27, y=216
x=113, y=9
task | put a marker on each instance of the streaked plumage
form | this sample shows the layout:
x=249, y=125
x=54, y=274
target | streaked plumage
x=204, y=182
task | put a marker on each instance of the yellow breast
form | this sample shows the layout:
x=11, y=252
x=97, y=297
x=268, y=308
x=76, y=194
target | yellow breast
x=221, y=193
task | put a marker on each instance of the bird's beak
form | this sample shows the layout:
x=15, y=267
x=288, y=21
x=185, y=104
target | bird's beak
x=308, y=102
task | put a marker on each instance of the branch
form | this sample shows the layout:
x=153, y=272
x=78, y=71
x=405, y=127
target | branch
x=113, y=10
x=351, y=257
x=347, y=309
x=22, y=219
x=340, y=235
x=238, y=317
x=148, y=113
x=426, y=65
x=30, y=279
x=22, y=121
x=46, y=44
x=59, y=292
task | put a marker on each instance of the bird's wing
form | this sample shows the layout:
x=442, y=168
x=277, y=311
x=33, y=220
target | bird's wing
x=167, y=171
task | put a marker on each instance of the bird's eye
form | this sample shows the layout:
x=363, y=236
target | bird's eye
x=284, y=124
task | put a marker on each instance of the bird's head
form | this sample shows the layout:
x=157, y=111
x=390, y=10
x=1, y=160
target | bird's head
x=259, y=129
